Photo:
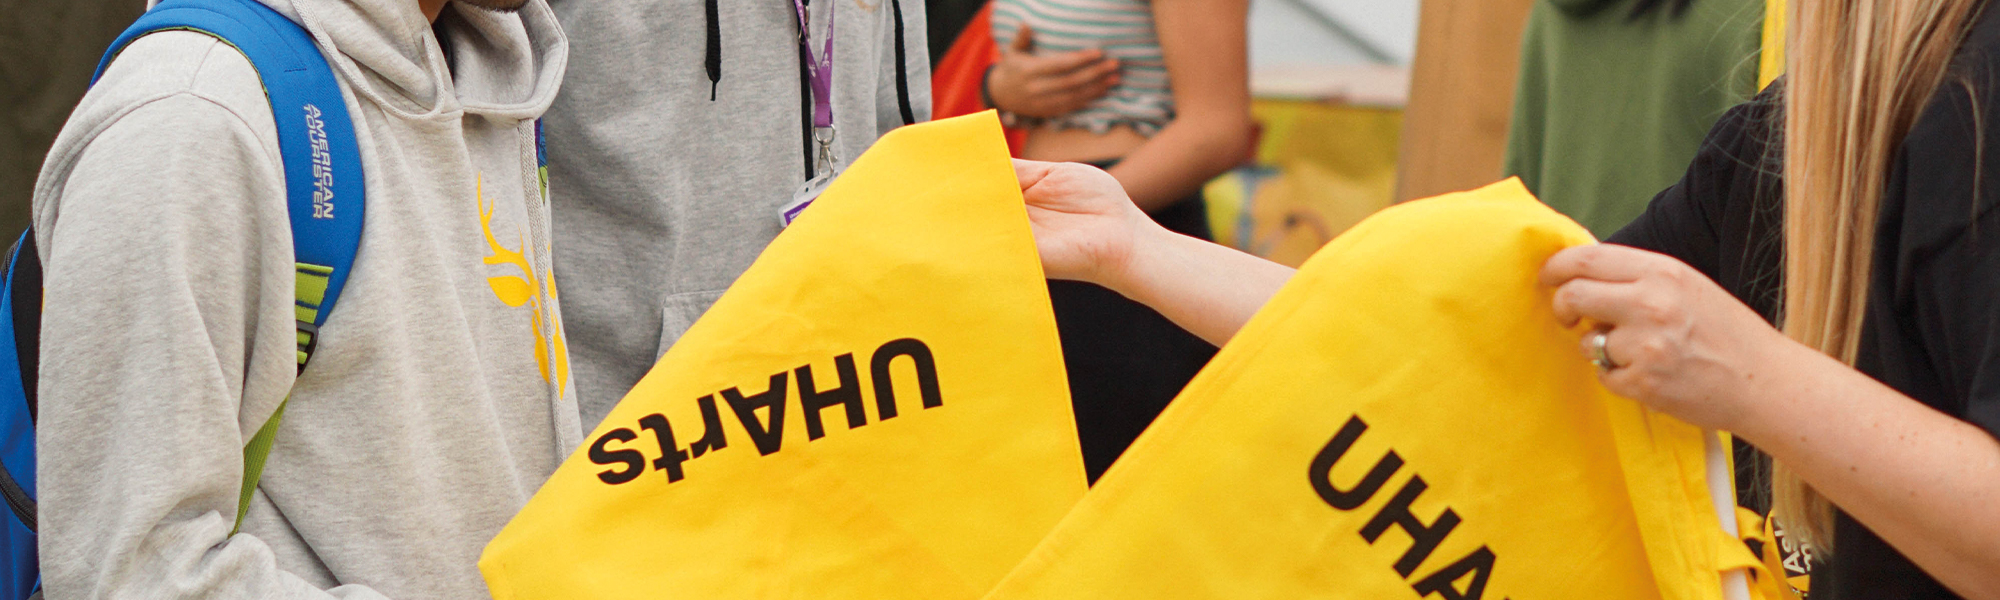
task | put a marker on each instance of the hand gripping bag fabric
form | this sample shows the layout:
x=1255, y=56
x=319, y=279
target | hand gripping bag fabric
x=876, y=409
x=1405, y=419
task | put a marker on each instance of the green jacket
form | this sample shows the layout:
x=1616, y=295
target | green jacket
x=1610, y=109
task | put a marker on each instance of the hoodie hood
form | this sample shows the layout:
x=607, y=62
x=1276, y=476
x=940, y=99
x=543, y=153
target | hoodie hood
x=508, y=64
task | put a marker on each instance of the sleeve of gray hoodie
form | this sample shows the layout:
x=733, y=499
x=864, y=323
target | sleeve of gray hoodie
x=916, y=66
x=167, y=333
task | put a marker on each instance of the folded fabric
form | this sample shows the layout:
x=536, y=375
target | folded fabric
x=875, y=410
x=1405, y=419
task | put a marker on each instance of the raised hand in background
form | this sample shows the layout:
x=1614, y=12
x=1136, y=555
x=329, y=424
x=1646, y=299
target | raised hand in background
x=1048, y=85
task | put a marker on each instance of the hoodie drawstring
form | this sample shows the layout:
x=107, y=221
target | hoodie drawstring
x=902, y=68
x=713, y=61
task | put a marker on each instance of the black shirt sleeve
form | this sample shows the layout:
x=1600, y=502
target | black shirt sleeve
x=1938, y=260
x=1932, y=329
x=1957, y=312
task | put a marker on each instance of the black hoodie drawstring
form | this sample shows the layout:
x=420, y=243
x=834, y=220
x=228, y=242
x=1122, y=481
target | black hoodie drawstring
x=714, y=59
x=902, y=68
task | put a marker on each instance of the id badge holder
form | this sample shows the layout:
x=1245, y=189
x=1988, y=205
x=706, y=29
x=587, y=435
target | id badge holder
x=828, y=169
x=804, y=197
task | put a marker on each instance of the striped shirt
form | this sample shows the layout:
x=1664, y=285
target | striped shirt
x=1123, y=29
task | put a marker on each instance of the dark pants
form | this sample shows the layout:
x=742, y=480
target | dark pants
x=1126, y=362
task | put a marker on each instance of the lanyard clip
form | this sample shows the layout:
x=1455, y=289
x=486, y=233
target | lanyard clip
x=827, y=159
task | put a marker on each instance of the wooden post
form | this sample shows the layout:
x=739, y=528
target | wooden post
x=1461, y=95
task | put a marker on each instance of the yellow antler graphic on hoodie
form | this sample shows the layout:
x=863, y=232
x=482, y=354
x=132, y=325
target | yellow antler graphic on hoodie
x=528, y=288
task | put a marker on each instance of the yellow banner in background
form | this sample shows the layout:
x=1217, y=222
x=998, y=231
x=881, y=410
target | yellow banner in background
x=877, y=409
x=1404, y=420
x=1771, y=63
x=1321, y=167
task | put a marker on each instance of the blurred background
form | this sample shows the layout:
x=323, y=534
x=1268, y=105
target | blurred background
x=48, y=49
x=1325, y=69
x=1329, y=81
x=1359, y=103
x=1596, y=105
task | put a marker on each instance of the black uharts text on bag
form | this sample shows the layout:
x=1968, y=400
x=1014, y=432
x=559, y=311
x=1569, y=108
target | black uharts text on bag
x=1424, y=537
x=767, y=433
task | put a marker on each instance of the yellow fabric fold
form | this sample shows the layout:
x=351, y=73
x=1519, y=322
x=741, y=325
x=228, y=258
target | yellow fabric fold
x=1405, y=419
x=876, y=409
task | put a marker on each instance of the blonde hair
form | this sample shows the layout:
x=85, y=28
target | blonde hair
x=1859, y=74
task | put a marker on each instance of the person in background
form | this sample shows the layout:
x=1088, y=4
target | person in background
x=1820, y=282
x=1045, y=83
x=1157, y=93
x=427, y=416
x=684, y=131
x=1614, y=96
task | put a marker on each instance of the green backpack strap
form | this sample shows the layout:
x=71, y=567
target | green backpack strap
x=254, y=455
x=310, y=296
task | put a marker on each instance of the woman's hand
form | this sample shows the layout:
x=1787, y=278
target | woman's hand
x=1085, y=226
x=1923, y=480
x=1676, y=340
x=1088, y=230
x=1052, y=85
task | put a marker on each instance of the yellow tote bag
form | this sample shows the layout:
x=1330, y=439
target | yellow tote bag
x=875, y=410
x=1404, y=420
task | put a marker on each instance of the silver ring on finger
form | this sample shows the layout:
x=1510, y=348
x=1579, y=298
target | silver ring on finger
x=1600, y=351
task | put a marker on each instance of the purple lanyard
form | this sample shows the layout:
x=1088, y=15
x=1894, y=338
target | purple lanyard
x=820, y=71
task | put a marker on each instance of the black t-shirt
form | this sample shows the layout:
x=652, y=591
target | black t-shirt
x=1932, y=327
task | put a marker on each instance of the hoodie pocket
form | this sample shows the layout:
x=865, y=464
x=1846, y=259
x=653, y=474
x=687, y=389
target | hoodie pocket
x=680, y=313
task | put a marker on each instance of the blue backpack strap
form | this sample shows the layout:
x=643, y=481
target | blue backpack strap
x=20, y=318
x=323, y=184
x=542, y=159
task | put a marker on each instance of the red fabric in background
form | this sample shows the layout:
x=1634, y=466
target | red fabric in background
x=956, y=81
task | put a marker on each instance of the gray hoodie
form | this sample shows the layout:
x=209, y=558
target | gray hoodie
x=438, y=400
x=667, y=195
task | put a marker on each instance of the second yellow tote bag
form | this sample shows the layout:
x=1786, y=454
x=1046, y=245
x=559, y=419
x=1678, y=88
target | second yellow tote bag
x=1405, y=419
x=875, y=410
